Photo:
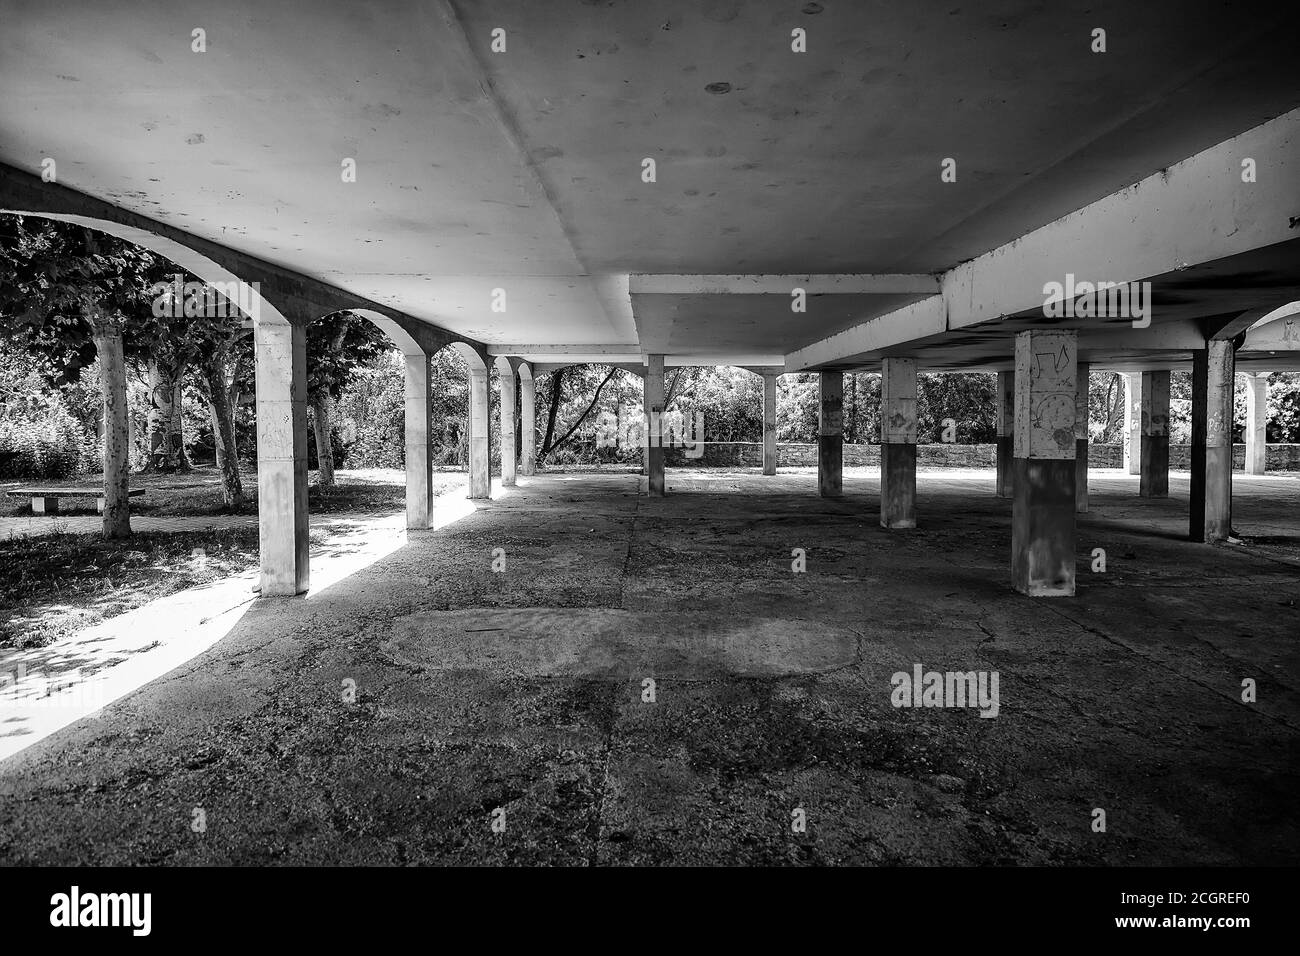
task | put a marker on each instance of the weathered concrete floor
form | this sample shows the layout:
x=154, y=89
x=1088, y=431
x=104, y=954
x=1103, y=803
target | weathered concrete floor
x=523, y=690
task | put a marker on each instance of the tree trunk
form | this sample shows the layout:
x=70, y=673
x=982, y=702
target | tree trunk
x=117, y=437
x=320, y=406
x=159, y=418
x=223, y=430
x=176, y=432
x=557, y=388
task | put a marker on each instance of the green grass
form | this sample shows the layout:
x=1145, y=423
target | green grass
x=54, y=585
x=197, y=493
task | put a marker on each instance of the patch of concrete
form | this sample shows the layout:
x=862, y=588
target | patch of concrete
x=602, y=642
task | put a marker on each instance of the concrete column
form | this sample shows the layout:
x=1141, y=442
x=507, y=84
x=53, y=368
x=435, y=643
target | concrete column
x=1042, y=514
x=1133, y=423
x=769, y=423
x=419, y=464
x=527, y=420
x=1211, y=495
x=1081, y=417
x=1006, y=401
x=1256, y=423
x=281, y=356
x=509, y=467
x=830, y=435
x=480, y=443
x=898, y=443
x=654, y=409
x=1155, y=435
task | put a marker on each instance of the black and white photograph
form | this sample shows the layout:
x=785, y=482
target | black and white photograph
x=649, y=435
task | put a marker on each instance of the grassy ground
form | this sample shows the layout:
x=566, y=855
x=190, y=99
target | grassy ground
x=197, y=493
x=57, y=584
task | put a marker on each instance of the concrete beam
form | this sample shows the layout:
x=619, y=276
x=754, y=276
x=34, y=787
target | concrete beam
x=848, y=284
x=1196, y=211
x=914, y=321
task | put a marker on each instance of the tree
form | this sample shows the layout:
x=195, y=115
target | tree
x=63, y=285
x=337, y=345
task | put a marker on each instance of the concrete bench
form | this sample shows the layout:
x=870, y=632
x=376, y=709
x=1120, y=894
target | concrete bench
x=45, y=501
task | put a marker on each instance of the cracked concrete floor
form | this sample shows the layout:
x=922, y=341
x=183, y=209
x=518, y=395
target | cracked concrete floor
x=523, y=690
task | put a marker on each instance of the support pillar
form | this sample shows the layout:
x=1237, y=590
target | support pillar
x=830, y=435
x=1155, y=435
x=281, y=357
x=1042, y=515
x=1006, y=401
x=480, y=444
x=654, y=410
x=509, y=459
x=1133, y=423
x=527, y=420
x=1210, y=519
x=1081, y=417
x=1256, y=423
x=898, y=443
x=769, y=423
x=419, y=463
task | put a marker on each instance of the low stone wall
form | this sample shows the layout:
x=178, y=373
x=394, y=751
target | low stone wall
x=738, y=454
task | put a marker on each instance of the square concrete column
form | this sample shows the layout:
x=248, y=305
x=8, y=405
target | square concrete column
x=769, y=423
x=830, y=434
x=1005, y=425
x=527, y=420
x=898, y=443
x=1211, y=496
x=509, y=439
x=281, y=357
x=1155, y=435
x=1081, y=418
x=419, y=464
x=654, y=410
x=1133, y=423
x=480, y=439
x=1042, y=514
x=1256, y=423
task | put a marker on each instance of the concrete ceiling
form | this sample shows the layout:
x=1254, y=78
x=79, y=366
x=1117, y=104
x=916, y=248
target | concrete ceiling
x=521, y=170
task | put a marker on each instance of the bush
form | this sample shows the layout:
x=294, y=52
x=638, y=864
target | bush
x=49, y=446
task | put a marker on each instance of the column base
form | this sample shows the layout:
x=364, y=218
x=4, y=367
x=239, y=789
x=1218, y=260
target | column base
x=897, y=485
x=830, y=465
x=1043, y=527
x=1006, y=467
x=1154, y=482
x=1081, y=476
